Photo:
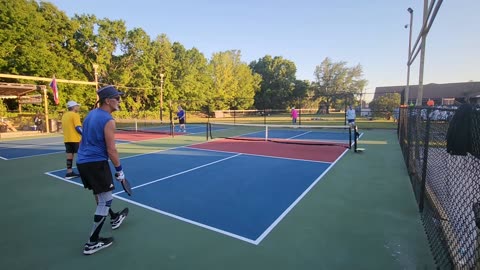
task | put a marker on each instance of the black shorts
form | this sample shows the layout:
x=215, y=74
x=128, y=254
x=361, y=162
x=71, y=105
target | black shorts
x=96, y=176
x=71, y=147
x=182, y=121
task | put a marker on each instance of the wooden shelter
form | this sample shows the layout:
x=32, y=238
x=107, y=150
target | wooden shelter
x=17, y=91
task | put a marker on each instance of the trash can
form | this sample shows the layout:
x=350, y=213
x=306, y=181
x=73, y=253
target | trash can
x=52, y=124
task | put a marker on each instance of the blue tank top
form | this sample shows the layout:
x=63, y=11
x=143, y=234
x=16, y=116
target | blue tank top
x=180, y=114
x=92, y=146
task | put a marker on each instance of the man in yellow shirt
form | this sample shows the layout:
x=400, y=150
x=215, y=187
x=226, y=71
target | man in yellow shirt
x=72, y=134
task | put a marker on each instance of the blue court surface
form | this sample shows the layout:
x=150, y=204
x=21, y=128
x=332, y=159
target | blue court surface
x=239, y=195
x=33, y=147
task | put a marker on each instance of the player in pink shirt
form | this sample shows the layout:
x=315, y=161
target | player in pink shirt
x=294, y=114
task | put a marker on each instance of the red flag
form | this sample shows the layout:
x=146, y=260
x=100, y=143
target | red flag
x=53, y=85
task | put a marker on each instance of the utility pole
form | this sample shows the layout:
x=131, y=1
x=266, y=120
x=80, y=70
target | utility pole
x=161, y=97
x=95, y=71
x=422, y=53
x=407, y=89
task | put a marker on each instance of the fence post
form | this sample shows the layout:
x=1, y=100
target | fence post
x=264, y=115
x=409, y=137
x=425, y=161
x=300, y=112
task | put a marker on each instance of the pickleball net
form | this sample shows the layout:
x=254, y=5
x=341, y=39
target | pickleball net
x=145, y=127
x=294, y=134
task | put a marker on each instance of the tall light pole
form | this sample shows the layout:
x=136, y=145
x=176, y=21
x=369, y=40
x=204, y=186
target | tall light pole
x=407, y=89
x=422, y=53
x=161, y=97
x=95, y=71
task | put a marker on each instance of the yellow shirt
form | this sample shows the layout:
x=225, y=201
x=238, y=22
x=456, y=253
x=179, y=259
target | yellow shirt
x=70, y=120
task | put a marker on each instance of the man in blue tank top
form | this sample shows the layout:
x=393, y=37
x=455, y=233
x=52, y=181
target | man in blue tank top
x=181, y=119
x=96, y=148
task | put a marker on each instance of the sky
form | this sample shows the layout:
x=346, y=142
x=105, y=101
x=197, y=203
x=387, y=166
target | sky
x=370, y=33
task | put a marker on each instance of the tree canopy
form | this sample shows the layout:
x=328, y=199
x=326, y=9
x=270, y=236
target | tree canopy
x=278, y=82
x=336, y=81
x=38, y=39
x=383, y=106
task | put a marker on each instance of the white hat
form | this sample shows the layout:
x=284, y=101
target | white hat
x=72, y=104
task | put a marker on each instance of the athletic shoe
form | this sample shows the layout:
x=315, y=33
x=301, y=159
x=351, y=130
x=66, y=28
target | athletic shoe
x=118, y=221
x=71, y=175
x=102, y=243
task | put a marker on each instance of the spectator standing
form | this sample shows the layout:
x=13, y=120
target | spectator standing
x=294, y=114
x=72, y=134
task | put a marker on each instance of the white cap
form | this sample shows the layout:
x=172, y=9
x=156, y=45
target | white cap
x=72, y=104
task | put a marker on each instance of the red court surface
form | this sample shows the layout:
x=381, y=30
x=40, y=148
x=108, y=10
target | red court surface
x=324, y=153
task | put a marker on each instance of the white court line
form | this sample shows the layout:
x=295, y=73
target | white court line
x=38, y=155
x=275, y=223
x=49, y=153
x=143, y=154
x=163, y=150
x=167, y=213
x=299, y=135
x=31, y=145
x=121, y=142
x=180, y=173
x=255, y=242
x=187, y=220
x=63, y=179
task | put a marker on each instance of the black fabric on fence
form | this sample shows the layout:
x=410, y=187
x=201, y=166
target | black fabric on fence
x=459, y=136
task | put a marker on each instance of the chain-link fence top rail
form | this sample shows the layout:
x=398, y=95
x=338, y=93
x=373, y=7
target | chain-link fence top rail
x=446, y=184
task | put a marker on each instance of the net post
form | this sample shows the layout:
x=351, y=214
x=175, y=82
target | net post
x=264, y=115
x=355, y=137
x=136, y=125
x=300, y=112
x=210, y=130
x=350, y=137
x=266, y=133
x=206, y=130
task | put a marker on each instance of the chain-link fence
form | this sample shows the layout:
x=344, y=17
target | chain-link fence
x=446, y=183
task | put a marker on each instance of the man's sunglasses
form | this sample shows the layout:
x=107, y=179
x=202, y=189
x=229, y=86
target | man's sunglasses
x=117, y=98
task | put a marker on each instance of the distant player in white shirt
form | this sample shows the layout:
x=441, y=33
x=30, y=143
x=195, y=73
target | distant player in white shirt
x=351, y=116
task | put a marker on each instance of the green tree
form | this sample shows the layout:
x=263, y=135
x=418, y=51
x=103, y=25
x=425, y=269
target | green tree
x=383, y=106
x=278, y=82
x=191, y=78
x=38, y=40
x=135, y=71
x=234, y=84
x=335, y=81
x=163, y=56
x=300, y=94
